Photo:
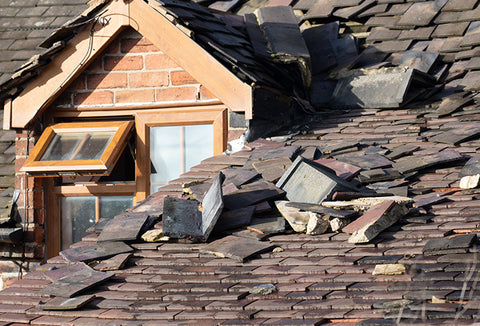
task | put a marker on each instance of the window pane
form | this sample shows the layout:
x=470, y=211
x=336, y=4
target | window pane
x=94, y=146
x=175, y=149
x=77, y=215
x=62, y=146
x=198, y=144
x=111, y=206
x=164, y=155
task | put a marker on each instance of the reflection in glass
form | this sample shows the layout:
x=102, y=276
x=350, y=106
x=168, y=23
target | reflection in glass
x=175, y=149
x=111, y=206
x=77, y=146
x=78, y=214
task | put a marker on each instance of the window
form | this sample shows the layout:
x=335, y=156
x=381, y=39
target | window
x=173, y=141
x=84, y=148
x=79, y=213
x=175, y=149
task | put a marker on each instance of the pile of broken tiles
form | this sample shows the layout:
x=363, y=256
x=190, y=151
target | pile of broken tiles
x=359, y=194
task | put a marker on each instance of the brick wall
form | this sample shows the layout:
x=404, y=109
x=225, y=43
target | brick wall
x=133, y=71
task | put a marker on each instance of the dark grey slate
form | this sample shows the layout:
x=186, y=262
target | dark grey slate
x=309, y=182
x=182, y=218
x=472, y=167
x=457, y=136
x=59, y=303
x=421, y=162
x=367, y=162
x=234, y=219
x=251, y=194
x=123, y=228
x=363, y=91
x=95, y=251
x=237, y=248
x=436, y=246
x=212, y=206
x=267, y=225
x=73, y=284
x=420, y=60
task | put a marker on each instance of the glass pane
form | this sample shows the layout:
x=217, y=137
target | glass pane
x=175, y=149
x=77, y=214
x=111, y=206
x=62, y=146
x=198, y=144
x=94, y=146
x=164, y=155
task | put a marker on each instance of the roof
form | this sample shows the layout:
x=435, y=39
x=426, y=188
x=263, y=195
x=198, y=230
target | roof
x=317, y=279
x=25, y=24
x=420, y=267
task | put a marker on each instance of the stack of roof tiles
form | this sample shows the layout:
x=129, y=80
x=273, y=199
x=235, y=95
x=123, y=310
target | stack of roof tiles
x=428, y=145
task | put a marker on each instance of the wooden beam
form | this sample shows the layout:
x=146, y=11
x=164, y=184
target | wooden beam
x=237, y=95
x=7, y=114
x=68, y=65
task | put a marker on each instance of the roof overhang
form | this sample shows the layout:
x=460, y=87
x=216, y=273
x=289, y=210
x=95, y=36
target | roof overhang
x=86, y=46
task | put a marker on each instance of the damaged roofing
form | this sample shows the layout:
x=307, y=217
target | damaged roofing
x=394, y=142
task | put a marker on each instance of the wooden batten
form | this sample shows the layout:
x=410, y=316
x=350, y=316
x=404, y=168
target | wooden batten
x=83, y=49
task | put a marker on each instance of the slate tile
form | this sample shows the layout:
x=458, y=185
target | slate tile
x=238, y=176
x=354, y=11
x=472, y=36
x=126, y=227
x=437, y=246
x=421, y=13
x=418, y=163
x=236, y=248
x=77, y=282
x=419, y=33
x=262, y=154
x=321, y=9
x=251, y=194
x=272, y=169
x=420, y=60
x=301, y=188
x=360, y=91
x=115, y=263
x=471, y=167
x=234, y=219
x=343, y=170
x=60, y=303
x=457, y=136
x=95, y=252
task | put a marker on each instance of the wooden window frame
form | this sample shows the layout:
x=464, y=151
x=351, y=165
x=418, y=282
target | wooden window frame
x=33, y=165
x=144, y=120
x=54, y=226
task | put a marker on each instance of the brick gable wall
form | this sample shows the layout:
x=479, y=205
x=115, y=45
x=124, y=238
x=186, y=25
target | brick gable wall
x=133, y=71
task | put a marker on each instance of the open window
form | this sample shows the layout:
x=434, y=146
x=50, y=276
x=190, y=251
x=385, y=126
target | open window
x=81, y=148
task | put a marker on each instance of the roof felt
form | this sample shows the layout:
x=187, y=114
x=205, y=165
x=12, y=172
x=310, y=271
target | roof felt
x=420, y=269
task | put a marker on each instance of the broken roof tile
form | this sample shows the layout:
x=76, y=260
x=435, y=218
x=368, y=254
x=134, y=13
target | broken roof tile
x=299, y=180
x=96, y=251
x=237, y=248
x=407, y=165
x=75, y=283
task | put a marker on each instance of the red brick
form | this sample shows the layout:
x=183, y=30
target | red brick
x=78, y=84
x=111, y=80
x=64, y=99
x=39, y=215
x=21, y=146
x=148, y=79
x=94, y=98
x=182, y=78
x=135, y=96
x=96, y=65
x=159, y=61
x=118, y=63
x=113, y=47
x=176, y=94
x=142, y=45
